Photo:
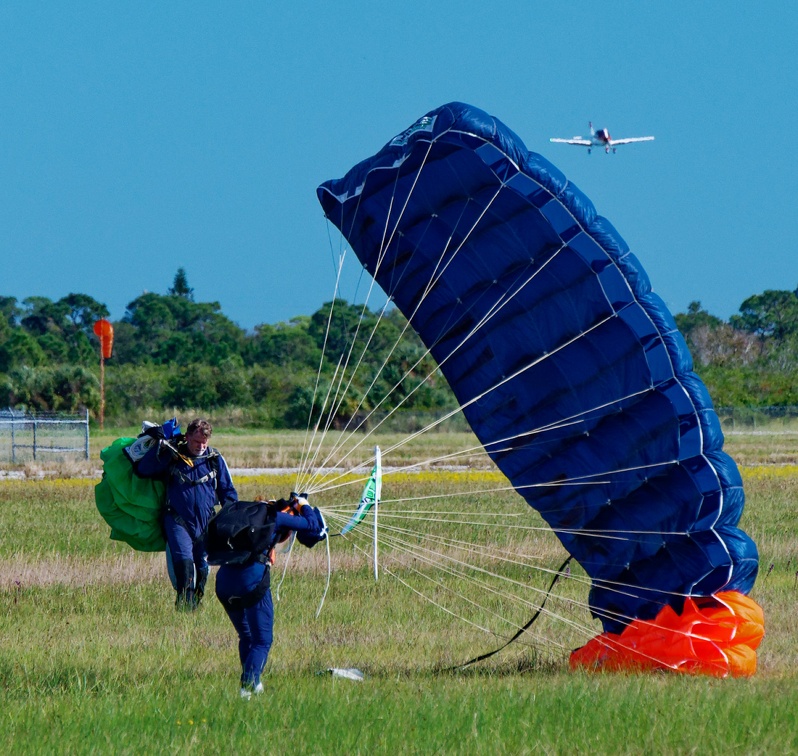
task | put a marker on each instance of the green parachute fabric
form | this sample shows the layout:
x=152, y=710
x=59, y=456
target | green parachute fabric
x=129, y=504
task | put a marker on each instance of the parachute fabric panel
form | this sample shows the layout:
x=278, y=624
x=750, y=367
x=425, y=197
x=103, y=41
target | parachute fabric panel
x=129, y=504
x=715, y=636
x=569, y=369
x=372, y=492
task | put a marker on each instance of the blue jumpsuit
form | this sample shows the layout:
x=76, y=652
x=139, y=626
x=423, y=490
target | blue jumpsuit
x=254, y=625
x=192, y=491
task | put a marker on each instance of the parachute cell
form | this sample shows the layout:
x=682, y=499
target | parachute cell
x=568, y=367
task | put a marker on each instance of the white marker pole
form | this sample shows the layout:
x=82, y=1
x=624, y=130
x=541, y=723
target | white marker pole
x=377, y=494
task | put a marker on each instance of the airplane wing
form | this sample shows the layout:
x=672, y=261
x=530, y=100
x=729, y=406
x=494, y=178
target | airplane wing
x=629, y=140
x=576, y=140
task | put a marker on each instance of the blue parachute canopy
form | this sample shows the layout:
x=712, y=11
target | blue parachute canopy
x=568, y=367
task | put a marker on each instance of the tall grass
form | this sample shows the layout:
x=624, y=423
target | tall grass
x=94, y=658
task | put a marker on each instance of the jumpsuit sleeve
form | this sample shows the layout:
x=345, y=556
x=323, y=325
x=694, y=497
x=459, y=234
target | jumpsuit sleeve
x=225, y=491
x=309, y=526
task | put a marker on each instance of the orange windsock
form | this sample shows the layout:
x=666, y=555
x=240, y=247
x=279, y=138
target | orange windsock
x=105, y=332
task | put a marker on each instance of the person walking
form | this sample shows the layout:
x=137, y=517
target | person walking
x=197, y=480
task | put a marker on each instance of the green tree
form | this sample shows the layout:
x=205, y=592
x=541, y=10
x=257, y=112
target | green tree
x=64, y=388
x=135, y=390
x=10, y=311
x=82, y=311
x=284, y=345
x=696, y=317
x=338, y=325
x=18, y=348
x=180, y=287
x=192, y=386
x=770, y=315
x=64, y=328
x=171, y=329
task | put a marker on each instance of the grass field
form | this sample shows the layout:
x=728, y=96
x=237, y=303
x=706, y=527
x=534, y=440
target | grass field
x=94, y=659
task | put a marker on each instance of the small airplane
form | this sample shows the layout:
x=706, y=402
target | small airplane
x=600, y=138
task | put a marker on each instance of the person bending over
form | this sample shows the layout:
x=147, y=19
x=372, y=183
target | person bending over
x=244, y=589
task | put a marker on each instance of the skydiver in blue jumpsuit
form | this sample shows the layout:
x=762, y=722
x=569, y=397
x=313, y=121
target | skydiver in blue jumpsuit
x=197, y=478
x=254, y=624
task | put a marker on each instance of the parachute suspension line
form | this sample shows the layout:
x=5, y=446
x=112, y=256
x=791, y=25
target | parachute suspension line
x=507, y=297
x=383, y=248
x=334, y=409
x=523, y=629
x=396, y=344
x=611, y=535
x=426, y=556
x=336, y=402
x=335, y=406
x=496, y=307
x=340, y=394
x=450, y=517
x=491, y=448
x=444, y=564
x=285, y=566
x=336, y=264
x=308, y=441
x=471, y=451
x=433, y=280
x=329, y=571
x=309, y=461
x=508, y=557
x=436, y=603
x=555, y=425
x=397, y=538
x=613, y=586
x=437, y=271
x=500, y=383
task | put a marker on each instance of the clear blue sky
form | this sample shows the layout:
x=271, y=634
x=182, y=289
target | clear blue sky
x=136, y=138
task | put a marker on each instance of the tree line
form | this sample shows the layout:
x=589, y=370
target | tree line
x=171, y=352
x=751, y=360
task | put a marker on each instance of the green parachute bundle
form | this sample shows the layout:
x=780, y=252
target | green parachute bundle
x=129, y=504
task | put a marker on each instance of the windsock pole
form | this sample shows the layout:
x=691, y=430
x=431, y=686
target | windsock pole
x=102, y=390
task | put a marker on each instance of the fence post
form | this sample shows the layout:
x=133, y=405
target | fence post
x=87, y=433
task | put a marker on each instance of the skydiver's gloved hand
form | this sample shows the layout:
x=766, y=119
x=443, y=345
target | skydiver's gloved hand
x=154, y=431
x=169, y=430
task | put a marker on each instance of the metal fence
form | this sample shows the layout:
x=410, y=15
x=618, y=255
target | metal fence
x=27, y=436
x=765, y=419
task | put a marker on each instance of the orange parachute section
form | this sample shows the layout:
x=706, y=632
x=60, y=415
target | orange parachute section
x=715, y=635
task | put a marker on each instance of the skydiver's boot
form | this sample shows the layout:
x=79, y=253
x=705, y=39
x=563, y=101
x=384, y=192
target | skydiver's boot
x=184, y=577
x=202, y=579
